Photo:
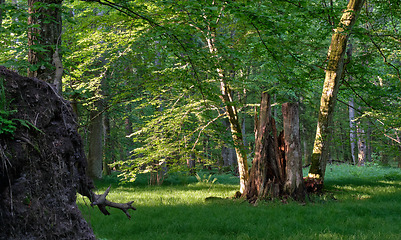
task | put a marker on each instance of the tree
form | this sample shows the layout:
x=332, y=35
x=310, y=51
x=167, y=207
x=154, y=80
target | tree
x=294, y=182
x=230, y=107
x=352, y=132
x=44, y=39
x=334, y=72
x=96, y=134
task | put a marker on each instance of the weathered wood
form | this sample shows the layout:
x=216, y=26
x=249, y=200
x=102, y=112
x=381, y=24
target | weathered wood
x=102, y=202
x=294, y=184
x=276, y=168
x=266, y=173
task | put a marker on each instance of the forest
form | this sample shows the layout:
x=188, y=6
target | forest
x=241, y=100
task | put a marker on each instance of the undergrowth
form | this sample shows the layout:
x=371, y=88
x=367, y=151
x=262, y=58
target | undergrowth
x=358, y=203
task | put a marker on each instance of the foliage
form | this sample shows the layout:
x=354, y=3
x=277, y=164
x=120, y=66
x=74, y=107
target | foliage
x=150, y=66
x=7, y=125
x=13, y=36
x=205, y=179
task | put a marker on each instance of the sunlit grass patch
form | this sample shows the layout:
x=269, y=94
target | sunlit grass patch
x=363, y=207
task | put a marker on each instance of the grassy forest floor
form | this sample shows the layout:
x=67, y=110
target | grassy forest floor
x=358, y=203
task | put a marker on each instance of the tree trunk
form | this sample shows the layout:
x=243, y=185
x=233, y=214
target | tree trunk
x=352, y=132
x=294, y=183
x=232, y=114
x=95, y=155
x=243, y=123
x=334, y=73
x=361, y=143
x=368, y=143
x=45, y=63
x=236, y=135
x=107, y=145
x=191, y=162
x=228, y=153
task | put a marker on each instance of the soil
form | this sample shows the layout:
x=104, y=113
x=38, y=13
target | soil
x=42, y=166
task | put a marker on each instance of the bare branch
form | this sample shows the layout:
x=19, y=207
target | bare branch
x=101, y=202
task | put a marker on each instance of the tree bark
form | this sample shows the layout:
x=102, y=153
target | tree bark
x=236, y=135
x=95, y=155
x=43, y=40
x=352, y=132
x=334, y=73
x=361, y=143
x=266, y=173
x=232, y=114
x=294, y=183
x=109, y=153
x=228, y=154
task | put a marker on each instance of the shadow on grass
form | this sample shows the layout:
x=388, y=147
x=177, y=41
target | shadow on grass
x=366, y=208
x=236, y=220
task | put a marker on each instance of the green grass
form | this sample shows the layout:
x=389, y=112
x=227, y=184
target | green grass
x=359, y=203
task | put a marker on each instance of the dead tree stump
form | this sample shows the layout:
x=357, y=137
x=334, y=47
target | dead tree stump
x=276, y=168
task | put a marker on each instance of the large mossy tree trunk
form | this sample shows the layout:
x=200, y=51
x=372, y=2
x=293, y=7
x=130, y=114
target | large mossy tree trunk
x=334, y=72
x=276, y=168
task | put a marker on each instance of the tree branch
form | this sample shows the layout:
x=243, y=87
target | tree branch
x=385, y=58
x=101, y=201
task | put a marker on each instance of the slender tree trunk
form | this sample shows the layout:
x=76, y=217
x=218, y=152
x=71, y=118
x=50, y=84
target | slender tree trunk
x=107, y=145
x=232, y=114
x=305, y=146
x=191, y=162
x=45, y=64
x=128, y=131
x=334, y=73
x=228, y=153
x=368, y=142
x=236, y=135
x=294, y=183
x=243, y=124
x=352, y=132
x=361, y=143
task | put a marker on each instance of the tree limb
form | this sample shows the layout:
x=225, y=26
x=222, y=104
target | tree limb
x=101, y=202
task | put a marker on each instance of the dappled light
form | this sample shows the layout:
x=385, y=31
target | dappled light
x=348, y=208
x=193, y=119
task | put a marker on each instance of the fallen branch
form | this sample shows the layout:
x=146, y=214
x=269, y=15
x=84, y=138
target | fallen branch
x=101, y=202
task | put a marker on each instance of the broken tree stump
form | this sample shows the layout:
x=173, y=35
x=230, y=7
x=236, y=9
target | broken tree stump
x=276, y=168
